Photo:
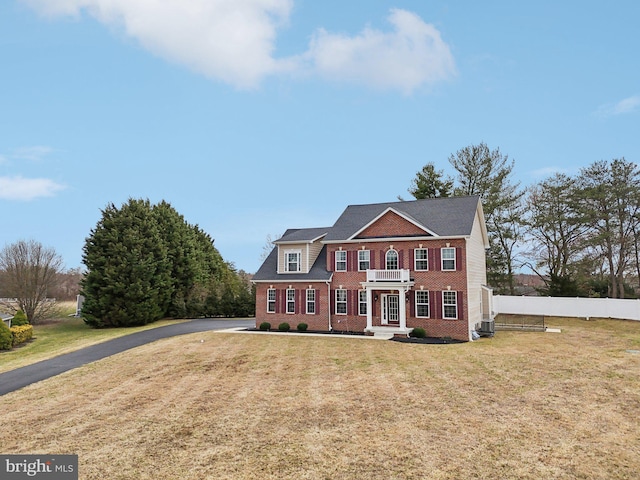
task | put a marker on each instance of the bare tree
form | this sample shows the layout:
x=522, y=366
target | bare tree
x=268, y=245
x=29, y=271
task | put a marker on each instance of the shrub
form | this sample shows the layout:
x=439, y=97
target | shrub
x=21, y=334
x=19, y=319
x=302, y=327
x=418, y=332
x=284, y=327
x=265, y=326
x=5, y=337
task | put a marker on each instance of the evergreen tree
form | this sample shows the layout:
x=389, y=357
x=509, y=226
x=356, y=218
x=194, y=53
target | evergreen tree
x=431, y=183
x=128, y=280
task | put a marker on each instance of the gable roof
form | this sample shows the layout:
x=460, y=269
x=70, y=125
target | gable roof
x=443, y=217
x=303, y=235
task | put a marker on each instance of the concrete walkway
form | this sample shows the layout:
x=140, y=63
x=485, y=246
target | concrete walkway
x=21, y=377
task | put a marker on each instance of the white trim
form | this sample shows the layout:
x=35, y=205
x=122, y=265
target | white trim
x=445, y=305
x=442, y=259
x=285, y=253
x=415, y=260
x=307, y=301
x=402, y=215
x=346, y=256
x=393, y=239
x=365, y=302
x=368, y=261
x=386, y=259
x=415, y=298
x=275, y=300
x=346, y=300
x=287, y=301
x=293, y=242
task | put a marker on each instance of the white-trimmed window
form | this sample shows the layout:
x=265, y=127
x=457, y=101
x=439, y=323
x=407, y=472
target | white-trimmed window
x=292, y=260
x=448, y=256
x=362, y=302
x=392, y=260
x=421, y=259
x=450, y=304
x=341, y=260
x=364, y=260
x=341, y=301
x=422, y=303
x=291, y=300
x=311, y=301
x=271, y=300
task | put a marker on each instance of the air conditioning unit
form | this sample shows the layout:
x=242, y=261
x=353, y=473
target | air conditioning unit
x=487, y=328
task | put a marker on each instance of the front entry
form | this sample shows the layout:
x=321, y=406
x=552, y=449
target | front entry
x=390, y=309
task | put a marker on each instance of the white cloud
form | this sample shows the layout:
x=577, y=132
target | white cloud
x=627, y=105
x=34, y=153
x=234, y=41
x=412, y=55
x=230, y=40
x=25, y=189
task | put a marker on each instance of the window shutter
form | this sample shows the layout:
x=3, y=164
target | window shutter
x=372, y=259
x=437, y=299
x=412, y=259
x=412, y=303
x=437, y=259
x=332, y=302
x=317, y=300
x=349, y=301
x=383, y=261
x=460, y=301
x=400, y=258
x=332, y=261
x=458, y=259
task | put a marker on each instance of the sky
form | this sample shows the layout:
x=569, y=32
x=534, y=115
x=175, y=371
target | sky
x=253, y=116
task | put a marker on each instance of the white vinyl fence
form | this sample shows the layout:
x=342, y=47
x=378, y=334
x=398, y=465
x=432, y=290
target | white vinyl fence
x=567, y=307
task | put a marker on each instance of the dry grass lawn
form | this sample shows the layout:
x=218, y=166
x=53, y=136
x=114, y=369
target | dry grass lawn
x=256, y=406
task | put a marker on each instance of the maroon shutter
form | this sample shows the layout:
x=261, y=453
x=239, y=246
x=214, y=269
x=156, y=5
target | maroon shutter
x=412, y=303
x=412, y=259
x=332, y=260
x=349, y=301
x=372, y=259
x=437, y=255
x=332, y=303
x=458, y=259
x=383, y=263
x=317, y=299
x=400, y=258
x=460, y=301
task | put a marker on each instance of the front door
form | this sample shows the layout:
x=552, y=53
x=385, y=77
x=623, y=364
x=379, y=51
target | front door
x=390, y=309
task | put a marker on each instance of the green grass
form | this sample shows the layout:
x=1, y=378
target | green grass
x=63, y=335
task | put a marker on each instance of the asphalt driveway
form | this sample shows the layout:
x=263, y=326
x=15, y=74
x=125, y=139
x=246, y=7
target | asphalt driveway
x=21, y=377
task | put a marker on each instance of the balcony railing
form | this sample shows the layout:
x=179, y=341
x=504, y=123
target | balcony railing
x=388, y=275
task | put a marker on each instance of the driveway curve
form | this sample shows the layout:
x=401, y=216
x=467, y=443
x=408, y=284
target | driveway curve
x=23, y=376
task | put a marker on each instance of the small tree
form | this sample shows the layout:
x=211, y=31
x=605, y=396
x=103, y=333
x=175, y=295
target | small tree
x=30, y=271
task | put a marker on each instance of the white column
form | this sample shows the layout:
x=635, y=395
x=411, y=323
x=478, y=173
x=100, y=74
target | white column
x=403, y=309
x=369, y=309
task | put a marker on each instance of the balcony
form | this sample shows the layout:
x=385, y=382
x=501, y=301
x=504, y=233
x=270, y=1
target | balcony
x=388, y=275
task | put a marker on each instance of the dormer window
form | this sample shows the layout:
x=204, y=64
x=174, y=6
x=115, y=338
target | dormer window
x=292, y=261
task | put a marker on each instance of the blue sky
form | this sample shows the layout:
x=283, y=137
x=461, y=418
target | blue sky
x=253, y=116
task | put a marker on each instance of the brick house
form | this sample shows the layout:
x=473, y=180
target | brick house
x=382, y=268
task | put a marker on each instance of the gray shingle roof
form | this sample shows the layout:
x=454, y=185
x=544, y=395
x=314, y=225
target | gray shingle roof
x=268, y=270
x=451, y=216
x=302, y=234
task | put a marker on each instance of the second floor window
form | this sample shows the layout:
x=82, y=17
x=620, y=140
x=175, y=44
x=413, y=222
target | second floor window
x=364, y=257
x=448, y=258
x=341, y=261
x=392, y=260
x=421, y=259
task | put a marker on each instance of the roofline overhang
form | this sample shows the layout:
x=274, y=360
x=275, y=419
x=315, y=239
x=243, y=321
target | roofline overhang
x=400, y=214
x=294, y=242
x=396, y=239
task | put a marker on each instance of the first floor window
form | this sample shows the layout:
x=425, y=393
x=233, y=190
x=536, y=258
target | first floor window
x=421, y=259
x=422, y=303
x=362, y=302
x=341, y=302
x=449, y=304
x=448, y=258
x=311, y=301
x=341, y=261
x=291, y=300
x=271, y=300
x=363, y=260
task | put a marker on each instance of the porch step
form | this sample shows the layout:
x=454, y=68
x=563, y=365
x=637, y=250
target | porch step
x=383, y=335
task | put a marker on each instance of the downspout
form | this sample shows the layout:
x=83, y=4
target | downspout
x=328, y=282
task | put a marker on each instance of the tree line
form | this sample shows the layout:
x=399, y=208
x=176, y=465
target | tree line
x=580, y=233
x=143, y=262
